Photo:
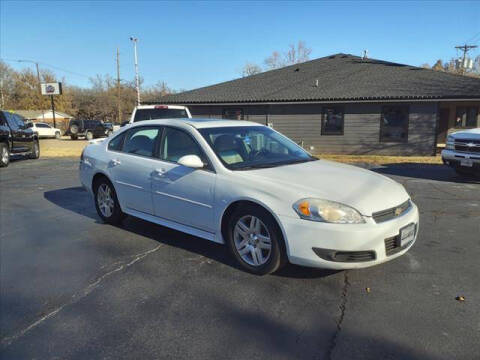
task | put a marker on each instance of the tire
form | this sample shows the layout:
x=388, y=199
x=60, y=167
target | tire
x=247, y=240
x=35, y=154
x=89, y=135
x=74, y=129
x=73, y=137
x=106, y=202
x=57, y=135
x=4, y=155
x=108, y=133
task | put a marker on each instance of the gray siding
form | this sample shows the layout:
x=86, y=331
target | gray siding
x=302, y=123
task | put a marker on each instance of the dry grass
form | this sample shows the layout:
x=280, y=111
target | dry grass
x=380, y=159
x=61, y=148
x=73, y=148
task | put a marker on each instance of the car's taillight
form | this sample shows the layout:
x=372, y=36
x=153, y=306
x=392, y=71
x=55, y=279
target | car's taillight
x=161, y=107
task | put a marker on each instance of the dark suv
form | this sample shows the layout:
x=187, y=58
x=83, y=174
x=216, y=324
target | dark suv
x=90, y=129
x=16, y=138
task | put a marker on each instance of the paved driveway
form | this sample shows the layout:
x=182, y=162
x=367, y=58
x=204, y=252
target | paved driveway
x=74, y=288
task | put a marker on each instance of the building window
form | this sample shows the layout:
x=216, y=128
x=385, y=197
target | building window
x=466, y=117
x=233, y=114
x=394, y=124
x=332, y=121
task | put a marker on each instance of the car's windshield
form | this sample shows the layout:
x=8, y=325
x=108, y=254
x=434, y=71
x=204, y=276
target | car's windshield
x=151, y=114
x=250, y=147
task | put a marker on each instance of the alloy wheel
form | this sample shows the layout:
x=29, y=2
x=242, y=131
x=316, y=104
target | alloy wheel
x=252, y=240
x=5, y=156
x=105, y=200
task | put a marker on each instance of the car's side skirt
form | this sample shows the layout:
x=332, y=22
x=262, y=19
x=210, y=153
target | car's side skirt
x=174, y=225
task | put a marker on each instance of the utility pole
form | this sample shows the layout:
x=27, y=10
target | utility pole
x=39, y=85
x=1, y=94
x=137, y=81
x=465, y=48
x=118, y=89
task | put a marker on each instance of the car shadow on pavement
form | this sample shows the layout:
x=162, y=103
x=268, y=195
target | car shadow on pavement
x=77, y=200
x=437, y=172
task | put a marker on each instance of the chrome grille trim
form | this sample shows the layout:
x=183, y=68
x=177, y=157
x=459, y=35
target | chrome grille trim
x=389, y=214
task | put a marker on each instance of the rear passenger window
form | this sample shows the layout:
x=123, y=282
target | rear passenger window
x=141, y=141
x=116, y=143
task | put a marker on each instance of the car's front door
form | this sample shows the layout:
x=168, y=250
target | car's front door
x=17, y=129
x=180, y=193
x=131, y=166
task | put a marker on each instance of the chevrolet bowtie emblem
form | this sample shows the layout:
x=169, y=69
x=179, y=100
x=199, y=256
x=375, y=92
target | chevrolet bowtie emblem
x=398, y=211
x=470, y=144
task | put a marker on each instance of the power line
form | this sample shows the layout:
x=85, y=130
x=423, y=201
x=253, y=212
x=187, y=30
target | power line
x=48, y=65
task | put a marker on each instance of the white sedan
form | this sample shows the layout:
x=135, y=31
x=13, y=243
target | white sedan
x=247, y=186
x=45, y=130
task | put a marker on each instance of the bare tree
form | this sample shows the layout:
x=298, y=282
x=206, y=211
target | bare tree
x=251, y=69
x=295, y=54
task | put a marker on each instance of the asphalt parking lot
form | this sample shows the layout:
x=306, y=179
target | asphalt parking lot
x=74, y=288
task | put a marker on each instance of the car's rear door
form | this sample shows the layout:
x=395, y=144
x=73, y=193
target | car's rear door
x=183, y=194
x=132, y=165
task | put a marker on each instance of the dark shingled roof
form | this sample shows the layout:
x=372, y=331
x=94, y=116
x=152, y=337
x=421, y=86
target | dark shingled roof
x=340, y=77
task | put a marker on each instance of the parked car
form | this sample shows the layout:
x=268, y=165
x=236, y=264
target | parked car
x=46, y=131
x=152, y=112
x=16, y=138
x=249, y=187
x=90, y=129
x=462, y=152
x=110, y=128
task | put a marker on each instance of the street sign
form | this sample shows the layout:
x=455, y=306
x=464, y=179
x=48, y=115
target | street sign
x=52, y=88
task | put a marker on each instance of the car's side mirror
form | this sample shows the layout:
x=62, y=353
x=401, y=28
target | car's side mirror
x=191, y=161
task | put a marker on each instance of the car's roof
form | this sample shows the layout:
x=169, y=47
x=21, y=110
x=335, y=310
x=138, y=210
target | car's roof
x=153, y=106
x=199, y=123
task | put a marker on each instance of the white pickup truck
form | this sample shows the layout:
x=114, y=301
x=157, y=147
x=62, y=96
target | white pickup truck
x=462, y=151
x=151, y=112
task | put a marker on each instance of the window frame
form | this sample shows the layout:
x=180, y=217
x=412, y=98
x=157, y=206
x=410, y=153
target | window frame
x=207, y=167
x=467, y=110
x=325, y=132
x=138, y=128
x=225, y=110
x=382, y=126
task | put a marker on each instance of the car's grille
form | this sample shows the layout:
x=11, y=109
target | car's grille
x=345, y=256
x=467, y=145
x=392, y=245
x=392, y=213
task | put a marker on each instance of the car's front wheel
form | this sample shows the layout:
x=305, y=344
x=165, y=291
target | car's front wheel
x=4, y=155
x=89, y=135
x=106, y=202
x=255, y=240
x=57, y=135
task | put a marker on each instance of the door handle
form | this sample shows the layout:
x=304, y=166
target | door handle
x=115, y=162
x=159, y=172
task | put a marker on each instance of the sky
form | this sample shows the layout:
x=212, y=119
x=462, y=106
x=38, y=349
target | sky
x=194, y=44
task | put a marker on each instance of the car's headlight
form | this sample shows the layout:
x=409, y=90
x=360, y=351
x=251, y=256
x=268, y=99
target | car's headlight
x=450, y=145
x=327, y=211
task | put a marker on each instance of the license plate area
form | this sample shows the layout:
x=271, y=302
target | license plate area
x=407, y=234
x=466, y=162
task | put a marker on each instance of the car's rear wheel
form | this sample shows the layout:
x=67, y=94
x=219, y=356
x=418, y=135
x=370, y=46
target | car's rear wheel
x=35, y=154
x=57, y=135
x=255, y=240
x=89, y=135
x=108, y=133
x=106, y=202
x=4, y=155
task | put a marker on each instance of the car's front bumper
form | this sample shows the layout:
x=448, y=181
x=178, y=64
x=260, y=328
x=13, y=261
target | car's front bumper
x=454, y=158
x=303, y=236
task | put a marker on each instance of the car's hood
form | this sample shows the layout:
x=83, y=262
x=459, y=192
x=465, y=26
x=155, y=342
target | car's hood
x=467, y=134
x=362, y=189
